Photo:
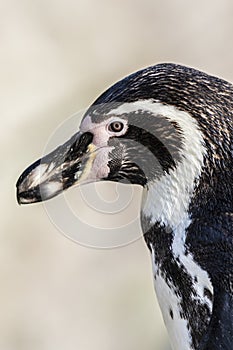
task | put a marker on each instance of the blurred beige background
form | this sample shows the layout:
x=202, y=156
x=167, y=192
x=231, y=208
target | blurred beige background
x=56, y=58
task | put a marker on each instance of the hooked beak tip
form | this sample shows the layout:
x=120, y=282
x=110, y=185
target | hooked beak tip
x=55, y=172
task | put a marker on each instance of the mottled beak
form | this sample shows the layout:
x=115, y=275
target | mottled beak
x=67, y=165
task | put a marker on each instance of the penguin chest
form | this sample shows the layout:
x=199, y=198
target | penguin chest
x=170, y=305
x=184, y=302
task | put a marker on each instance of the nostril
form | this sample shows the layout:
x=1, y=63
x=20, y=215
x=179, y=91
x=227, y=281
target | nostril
x=79, y=147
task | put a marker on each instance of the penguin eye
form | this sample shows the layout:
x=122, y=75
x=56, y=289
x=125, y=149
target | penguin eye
x=116, y=126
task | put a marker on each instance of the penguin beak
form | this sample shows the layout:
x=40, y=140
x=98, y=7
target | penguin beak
x=67, y=165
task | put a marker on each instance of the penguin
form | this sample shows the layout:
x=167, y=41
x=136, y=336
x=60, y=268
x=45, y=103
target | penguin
x=167, y=128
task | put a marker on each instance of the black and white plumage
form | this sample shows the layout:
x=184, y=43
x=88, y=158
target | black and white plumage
x=169, y=129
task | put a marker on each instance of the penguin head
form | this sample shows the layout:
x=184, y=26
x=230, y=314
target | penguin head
x=121, y=142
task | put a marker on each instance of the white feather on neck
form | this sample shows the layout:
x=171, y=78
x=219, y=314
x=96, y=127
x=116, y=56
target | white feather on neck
x=168, y=199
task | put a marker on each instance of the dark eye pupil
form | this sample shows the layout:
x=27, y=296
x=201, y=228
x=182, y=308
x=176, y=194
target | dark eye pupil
x=116, y=126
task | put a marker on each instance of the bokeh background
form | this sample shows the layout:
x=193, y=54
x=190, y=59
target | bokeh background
x=56, y=57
